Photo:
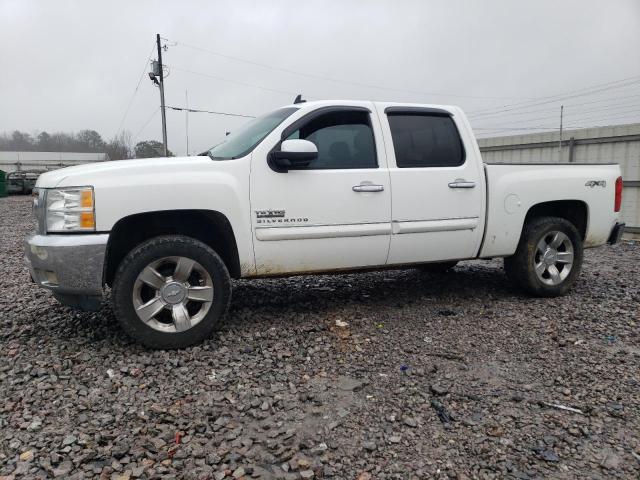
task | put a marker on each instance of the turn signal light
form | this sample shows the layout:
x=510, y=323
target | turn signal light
x=86, y=198
x=87, y=220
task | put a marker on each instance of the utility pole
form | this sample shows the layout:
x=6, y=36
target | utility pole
x=560, y=142
x=161, y=85
x=186, y=115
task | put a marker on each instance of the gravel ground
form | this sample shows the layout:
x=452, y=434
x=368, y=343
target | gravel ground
x=394, y=374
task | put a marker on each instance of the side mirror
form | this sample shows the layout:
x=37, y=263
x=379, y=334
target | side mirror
x=293, y=155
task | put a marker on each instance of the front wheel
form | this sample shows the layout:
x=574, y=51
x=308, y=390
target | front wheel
x=171, y=292
x=548, y=258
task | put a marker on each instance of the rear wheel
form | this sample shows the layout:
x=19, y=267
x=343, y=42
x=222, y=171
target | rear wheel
x=438, y=267
x=171, y=292
x=548, y=258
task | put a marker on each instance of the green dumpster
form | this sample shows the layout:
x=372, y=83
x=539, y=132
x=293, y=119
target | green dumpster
x=3, y=184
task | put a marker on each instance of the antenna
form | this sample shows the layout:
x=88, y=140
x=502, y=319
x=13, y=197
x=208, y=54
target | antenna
x=299, y=99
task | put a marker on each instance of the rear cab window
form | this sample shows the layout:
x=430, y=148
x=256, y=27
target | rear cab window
x=424, y=137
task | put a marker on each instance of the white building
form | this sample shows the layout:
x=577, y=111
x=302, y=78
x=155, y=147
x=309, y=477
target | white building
x=12, y=161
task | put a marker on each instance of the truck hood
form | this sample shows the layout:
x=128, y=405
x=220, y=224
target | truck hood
x=94, y=174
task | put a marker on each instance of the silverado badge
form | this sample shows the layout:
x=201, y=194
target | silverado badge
x=276, y=216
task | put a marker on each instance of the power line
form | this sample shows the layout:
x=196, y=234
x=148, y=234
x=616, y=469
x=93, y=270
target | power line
x=612, y=115
x=625, y=82
x=617, y=109
x=554, y=108
x=126, y=112
x=484, y=117
x=587, y=90
x=193, y=110
x=147, y=123
x=608, y=99
x=611, y=110
x=337, y=80
x=538, y=127
x=547, y=101
x=215, y=77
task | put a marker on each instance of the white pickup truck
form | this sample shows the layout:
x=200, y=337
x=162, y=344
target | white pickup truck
x=312, y=187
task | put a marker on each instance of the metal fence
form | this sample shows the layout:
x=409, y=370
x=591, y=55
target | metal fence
x=616, y=144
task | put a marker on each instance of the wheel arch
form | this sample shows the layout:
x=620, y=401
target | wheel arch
x=209, y=226
x=574, y=211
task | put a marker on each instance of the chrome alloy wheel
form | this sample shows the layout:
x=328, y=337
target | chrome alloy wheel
x=172, y=294
x=553, y=259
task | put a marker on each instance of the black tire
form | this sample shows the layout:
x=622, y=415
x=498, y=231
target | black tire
x=438, y=267
x=150, y=251
x=520, y=267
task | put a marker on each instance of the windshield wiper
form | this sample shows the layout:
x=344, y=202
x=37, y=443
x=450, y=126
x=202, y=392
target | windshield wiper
x=208, y=154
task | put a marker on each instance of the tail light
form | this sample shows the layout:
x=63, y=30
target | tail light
x=618, y=201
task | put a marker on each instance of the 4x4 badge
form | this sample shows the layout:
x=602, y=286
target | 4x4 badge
x=596, y=183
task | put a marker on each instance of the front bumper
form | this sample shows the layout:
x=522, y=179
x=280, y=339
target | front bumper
x=69, y=265
x=616, y=233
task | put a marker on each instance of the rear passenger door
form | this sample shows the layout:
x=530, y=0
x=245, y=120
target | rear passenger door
x=437, y=185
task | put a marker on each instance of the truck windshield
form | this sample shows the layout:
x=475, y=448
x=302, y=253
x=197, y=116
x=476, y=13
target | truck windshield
x=240, y=143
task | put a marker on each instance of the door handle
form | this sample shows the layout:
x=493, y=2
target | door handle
x=368, y=188
x=461, y=183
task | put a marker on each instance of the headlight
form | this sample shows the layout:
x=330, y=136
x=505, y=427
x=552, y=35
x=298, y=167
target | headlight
x=70, y=210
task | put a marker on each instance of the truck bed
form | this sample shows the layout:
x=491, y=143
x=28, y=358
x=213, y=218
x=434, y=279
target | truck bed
x=515, y=188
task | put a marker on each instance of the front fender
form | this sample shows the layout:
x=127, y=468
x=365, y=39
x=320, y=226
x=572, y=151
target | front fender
x=199, y=184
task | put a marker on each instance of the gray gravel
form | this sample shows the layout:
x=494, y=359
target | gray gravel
x=382, y=375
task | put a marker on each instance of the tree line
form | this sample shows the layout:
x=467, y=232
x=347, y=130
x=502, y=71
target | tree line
x=86, y=141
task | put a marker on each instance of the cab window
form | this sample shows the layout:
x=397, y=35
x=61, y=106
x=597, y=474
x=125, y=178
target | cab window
x=344, y=140
x=421, y=140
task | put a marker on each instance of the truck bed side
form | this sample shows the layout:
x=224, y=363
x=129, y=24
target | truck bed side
x=513, y=190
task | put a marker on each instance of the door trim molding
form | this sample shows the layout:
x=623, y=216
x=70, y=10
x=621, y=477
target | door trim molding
x=439, y=225
x=308, y=232
x=396, y=227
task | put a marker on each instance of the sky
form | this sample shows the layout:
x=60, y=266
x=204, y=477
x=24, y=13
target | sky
x=72, y=65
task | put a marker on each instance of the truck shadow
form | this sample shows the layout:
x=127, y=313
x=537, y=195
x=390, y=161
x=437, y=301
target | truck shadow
x=258, y=302
x=399, y=288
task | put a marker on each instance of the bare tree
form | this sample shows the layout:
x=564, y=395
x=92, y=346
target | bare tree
x=118, y=148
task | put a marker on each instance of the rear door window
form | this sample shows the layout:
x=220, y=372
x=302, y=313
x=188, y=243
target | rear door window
x=423, y=140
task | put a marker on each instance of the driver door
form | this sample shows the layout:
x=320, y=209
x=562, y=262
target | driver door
x=321, y=218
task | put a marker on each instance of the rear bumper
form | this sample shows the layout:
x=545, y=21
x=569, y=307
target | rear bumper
x=616, y=233
x=69, y=265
